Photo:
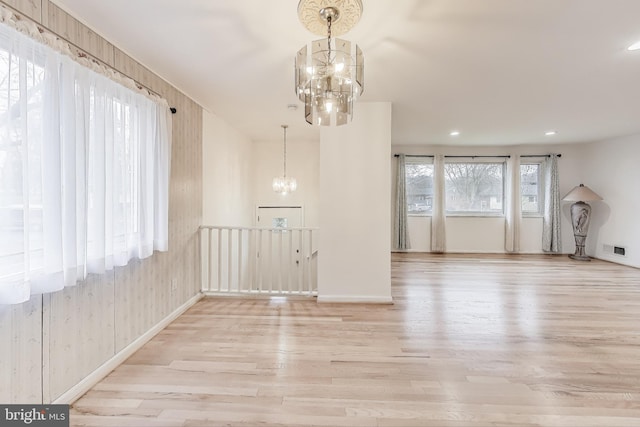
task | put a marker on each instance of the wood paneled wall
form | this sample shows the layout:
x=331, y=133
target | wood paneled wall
x=53, y=341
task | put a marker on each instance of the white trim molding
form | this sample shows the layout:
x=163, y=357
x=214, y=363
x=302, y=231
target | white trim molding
x=355, y=299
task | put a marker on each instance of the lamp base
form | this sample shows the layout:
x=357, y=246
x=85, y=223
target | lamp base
x=580, y=257
x=580, y=213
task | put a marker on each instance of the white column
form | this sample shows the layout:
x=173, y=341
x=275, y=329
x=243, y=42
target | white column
x=354, y=258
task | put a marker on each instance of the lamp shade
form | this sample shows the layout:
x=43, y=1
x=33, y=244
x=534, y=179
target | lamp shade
x=581, y=193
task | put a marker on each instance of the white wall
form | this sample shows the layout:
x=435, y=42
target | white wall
x=354, y=262
x=486, y=234
x=303, y=163
x=227, y=171
x=237, y=177
x=611, y=170
x=474, y=234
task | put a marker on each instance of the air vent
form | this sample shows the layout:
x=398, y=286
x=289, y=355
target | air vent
x=614, y=250
x=619, y=250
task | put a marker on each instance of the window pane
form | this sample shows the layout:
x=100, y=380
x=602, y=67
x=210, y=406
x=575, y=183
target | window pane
x=21, y=110
x=474, y=187
x=530, y=188
x=419, y=188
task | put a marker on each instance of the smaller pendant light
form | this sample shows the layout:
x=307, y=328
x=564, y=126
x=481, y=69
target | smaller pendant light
x=284, y=184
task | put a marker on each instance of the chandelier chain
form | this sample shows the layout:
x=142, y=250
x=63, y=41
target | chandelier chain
x=329, y=35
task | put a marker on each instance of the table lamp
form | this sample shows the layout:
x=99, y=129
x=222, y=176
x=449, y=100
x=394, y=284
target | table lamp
x=580, y=215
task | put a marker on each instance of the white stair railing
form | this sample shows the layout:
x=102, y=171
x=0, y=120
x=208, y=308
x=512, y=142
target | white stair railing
x=251, y=260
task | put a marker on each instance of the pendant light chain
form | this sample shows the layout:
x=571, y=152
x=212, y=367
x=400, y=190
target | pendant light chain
x=284, y=184
x=285, y=150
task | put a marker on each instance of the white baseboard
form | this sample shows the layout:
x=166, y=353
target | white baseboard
x=478, y=252
x=354, y=299
x=78, y=390
x=624, y=262
x=258, y=295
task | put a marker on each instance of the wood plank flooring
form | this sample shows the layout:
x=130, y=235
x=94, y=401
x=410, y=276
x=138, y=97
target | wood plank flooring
x=486, y=340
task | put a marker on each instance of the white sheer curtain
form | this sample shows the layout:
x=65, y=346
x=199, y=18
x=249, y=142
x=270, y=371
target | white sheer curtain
x=513, y=205
x=551, y=236
x=400, y=232
x=438, y=237
x=84, y=166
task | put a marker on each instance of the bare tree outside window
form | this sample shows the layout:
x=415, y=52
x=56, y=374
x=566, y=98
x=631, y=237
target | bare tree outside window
x=530, y=188
x=473, y=188
x=21, y=116
x=419, y=187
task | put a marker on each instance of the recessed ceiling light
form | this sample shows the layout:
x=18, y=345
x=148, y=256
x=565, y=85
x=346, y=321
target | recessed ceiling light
x=550, y=133
x=454, y=133
x=634, y=46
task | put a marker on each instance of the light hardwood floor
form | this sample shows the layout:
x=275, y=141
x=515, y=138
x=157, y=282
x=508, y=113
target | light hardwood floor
x=485, y=340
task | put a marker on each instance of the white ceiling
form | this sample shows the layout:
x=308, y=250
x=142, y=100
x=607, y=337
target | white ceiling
x=499, y=71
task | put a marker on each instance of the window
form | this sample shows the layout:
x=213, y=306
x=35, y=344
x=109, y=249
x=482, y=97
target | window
x=419, y=188
x=84, y=170
x=531, y=189
x=474, y=188
x=22, y=80
x=279, y=223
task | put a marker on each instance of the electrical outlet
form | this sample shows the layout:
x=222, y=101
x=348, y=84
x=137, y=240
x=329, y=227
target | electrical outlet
x=174, y=284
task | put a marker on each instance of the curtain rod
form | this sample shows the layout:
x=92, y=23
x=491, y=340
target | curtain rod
x=539, y=155
x=44, y=28
x=477, y=157
x=473, y=157
x=431, y=155
x=414, y=155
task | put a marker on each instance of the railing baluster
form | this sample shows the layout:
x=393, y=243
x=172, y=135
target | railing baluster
x=300, y=269
x=280, y=257
x=240, y=260
x=249, y=268
x=280, y=265
x=229, y=259
x=201, y=273
x=210, y=260
x=259, y=273
x=305, y=280
x=303, y=263
x=290, y=260
x=309, y=257
x=219, y=258
x=270, y=263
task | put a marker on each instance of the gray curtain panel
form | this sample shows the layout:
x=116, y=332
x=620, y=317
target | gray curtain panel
x=400, y=232
x=438, y=237
x=513, y=207
x=551, y=236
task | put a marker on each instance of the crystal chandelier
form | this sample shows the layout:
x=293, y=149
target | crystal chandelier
x=284, y=184
x=329, y=72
